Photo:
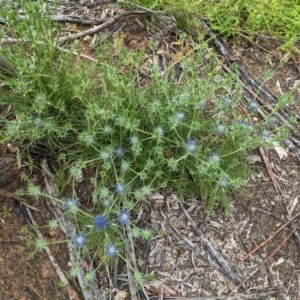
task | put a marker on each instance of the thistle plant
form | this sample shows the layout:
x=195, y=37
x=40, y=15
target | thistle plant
x=186, y=135
x=156, y=136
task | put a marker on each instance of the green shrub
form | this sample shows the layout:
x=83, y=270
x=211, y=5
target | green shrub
x=141, y=135
x=144, y=128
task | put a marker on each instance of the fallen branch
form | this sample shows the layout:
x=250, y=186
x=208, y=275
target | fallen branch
x=104, y=25
x=76, y=19
x=296, y=234
x=265, y=294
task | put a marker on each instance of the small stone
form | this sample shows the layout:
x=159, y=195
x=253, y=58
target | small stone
x=156, y=197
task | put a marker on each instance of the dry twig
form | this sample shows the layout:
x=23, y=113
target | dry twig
x=78, y=54
x=8, y=194
x=72, y=293
x=296, y=234
x=261, y=264
x=269, y=168
x=104, y=25
x=270, y=237
x=227, y=269
x=252, y=295
x=130, y=256
x=76, y=19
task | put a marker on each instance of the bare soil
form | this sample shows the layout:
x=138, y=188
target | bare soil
x=179, y=258
x=21, y=278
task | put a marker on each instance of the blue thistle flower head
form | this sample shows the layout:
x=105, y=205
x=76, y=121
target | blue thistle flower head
x=112, y=250
x=227, y=102
x=71, y=202
x=245, y=126
x=215, y=159
x=106, y=202
x=272, y=121
x=134, y=140
x=220, y=129
x=191, y=146
x=223, y=182
x=120, y=188
x=124, y=217
x=79, y=240
x=108, y=130
x=38, y=122
x=180, y=116
x=101, y=222
x=265, y=133
x=202, y=104
x=71, y=205
x=253, y=106
x=120, y=152
x=159, y=132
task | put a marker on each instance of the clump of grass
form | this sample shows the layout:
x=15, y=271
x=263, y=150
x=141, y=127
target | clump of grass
x=178, y=130
x=276, y=18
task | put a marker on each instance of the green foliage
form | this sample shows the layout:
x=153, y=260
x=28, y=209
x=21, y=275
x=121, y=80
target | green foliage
x=273, y=17
x=140, y=135
x=6, y=212
x=276, y=18
x=144, y=128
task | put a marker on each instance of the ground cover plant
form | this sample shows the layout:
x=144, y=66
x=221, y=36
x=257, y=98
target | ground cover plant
x=143, y=127
x=275, y=18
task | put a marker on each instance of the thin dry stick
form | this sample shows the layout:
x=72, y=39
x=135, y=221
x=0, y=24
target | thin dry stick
x=264, y=294
x=8, y=194
x=227, y=269
x=9, y=41
x=109, y=281
x=296, y=234
x=72, y=293
x=96, y=29
x=269, y=168
x=188, y=242
x=261, y=264
x=77, y=54
x=69, y=230
x=76, y=19
x=130, y=255
x=270, y=237
x=130, y=278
